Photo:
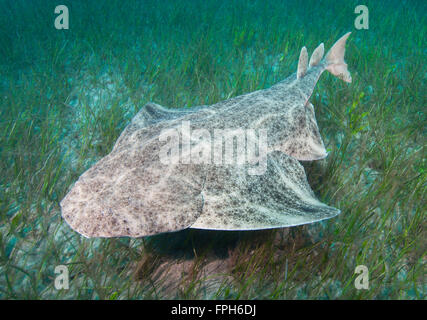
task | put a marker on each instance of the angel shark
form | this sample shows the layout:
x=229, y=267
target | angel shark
x=133, y=192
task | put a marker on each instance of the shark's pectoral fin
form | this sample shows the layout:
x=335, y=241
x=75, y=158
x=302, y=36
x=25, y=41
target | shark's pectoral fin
x=280, y=197
x=154, y=113
x=150, y=120
x=130, y=192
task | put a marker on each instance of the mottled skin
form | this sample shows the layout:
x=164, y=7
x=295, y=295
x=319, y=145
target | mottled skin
x=130, y=192
x=235, y=200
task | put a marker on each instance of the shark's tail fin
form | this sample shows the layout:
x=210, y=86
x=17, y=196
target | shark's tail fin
x=334, y=59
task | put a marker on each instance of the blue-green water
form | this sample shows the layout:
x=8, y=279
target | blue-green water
x=67, y=94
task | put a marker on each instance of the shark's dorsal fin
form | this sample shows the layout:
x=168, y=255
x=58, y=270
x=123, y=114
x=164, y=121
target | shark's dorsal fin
x=302, y=63
x=317, y=55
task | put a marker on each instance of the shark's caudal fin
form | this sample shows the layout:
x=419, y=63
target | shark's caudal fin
x=334, y=59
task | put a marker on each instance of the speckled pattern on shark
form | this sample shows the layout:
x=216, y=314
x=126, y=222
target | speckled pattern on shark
x=130, y=192
x=236, y=200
